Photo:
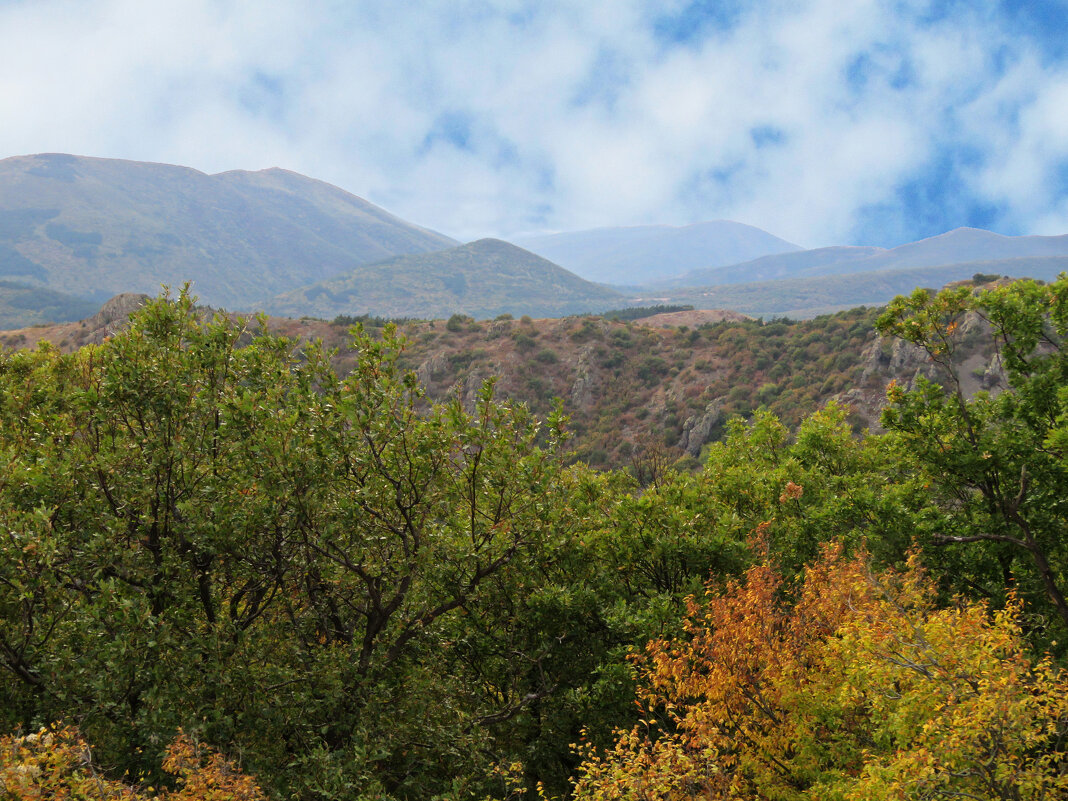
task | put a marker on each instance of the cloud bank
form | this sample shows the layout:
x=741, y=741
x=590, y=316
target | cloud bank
x=823, y=122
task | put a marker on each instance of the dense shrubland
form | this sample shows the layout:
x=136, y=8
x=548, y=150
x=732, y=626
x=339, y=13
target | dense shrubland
x=209, y=539
x=629, y=388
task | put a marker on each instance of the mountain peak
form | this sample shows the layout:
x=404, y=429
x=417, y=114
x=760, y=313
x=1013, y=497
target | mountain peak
x=968, y=232
x=490, y=243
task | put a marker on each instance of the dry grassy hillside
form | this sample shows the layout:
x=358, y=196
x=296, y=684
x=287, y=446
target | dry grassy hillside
x=663, y=385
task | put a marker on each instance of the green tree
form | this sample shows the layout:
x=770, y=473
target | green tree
x=205, y=526
x=819, y=483
x=996, y=461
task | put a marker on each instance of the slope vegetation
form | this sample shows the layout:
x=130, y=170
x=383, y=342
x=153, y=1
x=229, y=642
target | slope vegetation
x=665, y=384
x=654, y=385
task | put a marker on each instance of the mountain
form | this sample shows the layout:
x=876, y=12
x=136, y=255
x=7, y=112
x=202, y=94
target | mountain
x=648, y=253
x=810, y=295
x=94, y=227
x=961, y=246
x=974, y=244
x=482, y=279
x=770, y=268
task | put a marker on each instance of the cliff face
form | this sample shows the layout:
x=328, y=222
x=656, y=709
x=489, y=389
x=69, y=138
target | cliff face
x=697, y=430
x=116, y=312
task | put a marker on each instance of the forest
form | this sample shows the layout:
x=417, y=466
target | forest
x=229, y=572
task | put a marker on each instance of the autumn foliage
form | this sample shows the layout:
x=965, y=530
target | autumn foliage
x=59, y=765
x=850, y=686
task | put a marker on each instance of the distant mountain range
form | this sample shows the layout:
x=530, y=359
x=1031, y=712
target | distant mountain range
x=803, y=298
x=482, y=279
x=646, y=254
x=95, y=227
x=961, y=246
x=75, y=230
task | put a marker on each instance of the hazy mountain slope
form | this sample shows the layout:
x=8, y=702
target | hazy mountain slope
x=482, y=279
x=975, y=244
x=95, y=227
x=808, y=296
x=22, y=305
x=770, y=268
x=961, y=246
x=647, y=253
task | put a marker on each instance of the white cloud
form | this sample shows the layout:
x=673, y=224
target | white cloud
x=795, y=119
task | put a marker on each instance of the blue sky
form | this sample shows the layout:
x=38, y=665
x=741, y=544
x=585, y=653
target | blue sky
x=824, y=122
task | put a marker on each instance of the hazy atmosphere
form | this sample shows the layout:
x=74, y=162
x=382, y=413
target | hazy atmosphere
x=822, y=122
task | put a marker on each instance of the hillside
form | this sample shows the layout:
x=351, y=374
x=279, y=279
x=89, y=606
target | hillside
x=773, y=267
x=665, y=384
x=648, y=253
x=482, y=279
x=94, y=227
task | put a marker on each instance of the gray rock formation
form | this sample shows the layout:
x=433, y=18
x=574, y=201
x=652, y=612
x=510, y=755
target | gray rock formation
x=114, y=314
x=697, y=429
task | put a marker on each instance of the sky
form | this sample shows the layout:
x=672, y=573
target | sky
x=821, y=121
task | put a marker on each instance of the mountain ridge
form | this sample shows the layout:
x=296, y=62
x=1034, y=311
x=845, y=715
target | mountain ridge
x=508, y=279
x=92, y=227
x=956, y=247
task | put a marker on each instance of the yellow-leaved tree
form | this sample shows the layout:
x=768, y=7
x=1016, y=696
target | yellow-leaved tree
x=849, y=686
x=58, y=763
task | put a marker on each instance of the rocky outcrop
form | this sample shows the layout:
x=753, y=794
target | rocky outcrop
x=434, y=367
x=472, y=386
x=116, y=312
x=894, y=358
x=994, y=378
x=697, y=429
x=977, y=369
x=582, y=395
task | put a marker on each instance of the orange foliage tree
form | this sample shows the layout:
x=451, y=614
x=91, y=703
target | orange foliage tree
x=848, y=686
